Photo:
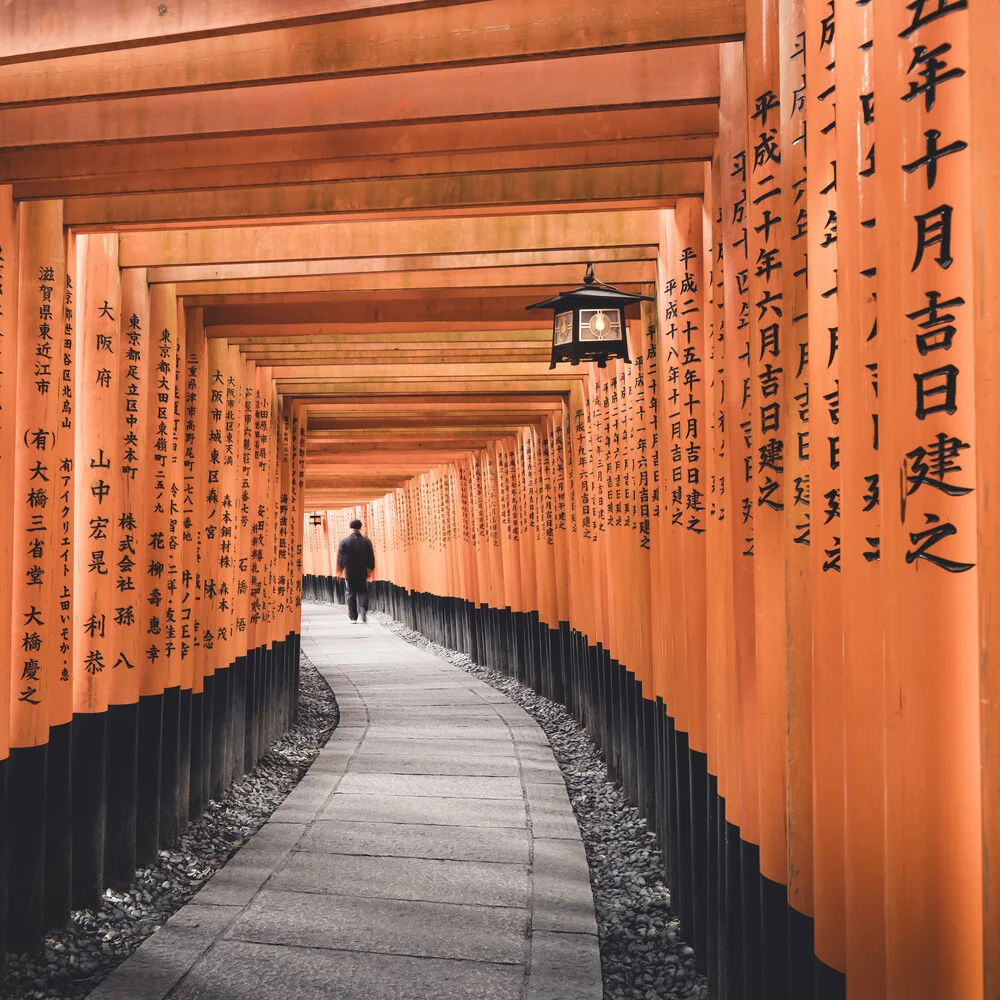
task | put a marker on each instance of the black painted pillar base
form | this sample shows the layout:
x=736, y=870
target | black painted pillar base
x=196, y=786
x=184, y=762
x=4, y=854
x=90, y=806
x=239, y=698
x=25, y=820
x=119, y=836
x=170, y=768
x=250, y=696
x=774, y=939
x=207, y=738
x=829, y=984
x=220, y=734
x=147, y=818
x=58, y=827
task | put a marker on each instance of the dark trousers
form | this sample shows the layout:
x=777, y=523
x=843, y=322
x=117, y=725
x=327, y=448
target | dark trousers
x=357, y=593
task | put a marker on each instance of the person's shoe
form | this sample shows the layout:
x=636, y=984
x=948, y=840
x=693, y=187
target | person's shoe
x=364, y=615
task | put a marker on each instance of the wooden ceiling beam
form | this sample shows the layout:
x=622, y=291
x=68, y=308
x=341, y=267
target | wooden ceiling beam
x=464, y=34
x=83, y=26
x=565, y=275
x=376, y=336
x=613, y=80
x=548, y=129
x=467, y=312
x=644, y=151
x=399, y=265
x=404, y=387
x=441, y=195
x=376, y=364
x=348, y=240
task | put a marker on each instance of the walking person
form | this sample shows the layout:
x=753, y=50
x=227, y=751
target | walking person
x=356, y=561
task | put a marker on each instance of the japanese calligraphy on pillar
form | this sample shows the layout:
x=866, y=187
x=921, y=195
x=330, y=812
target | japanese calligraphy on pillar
x=97, y=652
x=65, y=451
x=792, y=303
x=36, y=628
x=934, y=111
x=162, y=519
x=128, y=531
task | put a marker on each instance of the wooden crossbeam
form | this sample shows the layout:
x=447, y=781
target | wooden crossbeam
x=501, y=30
x=611, y=80
x=651, y=184
x=483, y=233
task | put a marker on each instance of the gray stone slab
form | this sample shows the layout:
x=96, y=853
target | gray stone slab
x=498, y=844
x=401, y=763
x=442, y=786
x=236, y=970
x=539, y=774
x=234, y=886
x=167, y=955
x=474, y=882
x=550, y=817
x=386, y=926
x=460, y=748
x=425, y=809
x=564, y=967
x=561, y=899
x=481, y=730
x=458, y=708
x=530, y=736
x=275, y=836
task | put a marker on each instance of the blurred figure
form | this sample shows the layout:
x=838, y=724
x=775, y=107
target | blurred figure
x=355, y=562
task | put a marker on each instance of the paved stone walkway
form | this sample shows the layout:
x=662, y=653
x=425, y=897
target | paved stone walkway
x=431, y=853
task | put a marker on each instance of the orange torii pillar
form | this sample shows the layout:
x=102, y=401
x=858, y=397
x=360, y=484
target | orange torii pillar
x=933, y=240
x=58, y=826
x=8, y=321
x=97, y=657
x=35, y=630
x=195, y=476
x=128, y=478
x=162, y=550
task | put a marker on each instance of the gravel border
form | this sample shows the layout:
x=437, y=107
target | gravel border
x=76, y=959
x=642, y=954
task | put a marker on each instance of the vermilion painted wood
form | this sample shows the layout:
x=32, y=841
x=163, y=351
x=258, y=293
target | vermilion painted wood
x=8, y=326
x=97, y=681
x=511, y=30
x=35, y=628
x=933, y=753
x=863, y=591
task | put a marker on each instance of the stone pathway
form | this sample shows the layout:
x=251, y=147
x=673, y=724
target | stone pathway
x=431, y=853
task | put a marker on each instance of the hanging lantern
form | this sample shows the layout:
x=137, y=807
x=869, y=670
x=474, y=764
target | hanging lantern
x=589, y=322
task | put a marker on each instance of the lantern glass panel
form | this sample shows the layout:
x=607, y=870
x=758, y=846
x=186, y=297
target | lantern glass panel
x=600, y=325
x=562, y=330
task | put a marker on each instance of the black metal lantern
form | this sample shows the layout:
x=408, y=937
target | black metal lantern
x=589, y=322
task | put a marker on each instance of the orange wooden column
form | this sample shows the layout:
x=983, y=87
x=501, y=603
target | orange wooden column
x=8, y=362
x=742, y=810
x=927, y=233
x=983, y=140
x=826, y=417
x=194, y=484
x=785, y=216
x=861, y=511
x=771, y=356
x=36, y=574
x=97, y=457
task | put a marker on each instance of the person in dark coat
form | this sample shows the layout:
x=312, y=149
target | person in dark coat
x=356, y=561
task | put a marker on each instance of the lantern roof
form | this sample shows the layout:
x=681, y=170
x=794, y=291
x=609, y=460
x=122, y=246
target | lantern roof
x=591, y=291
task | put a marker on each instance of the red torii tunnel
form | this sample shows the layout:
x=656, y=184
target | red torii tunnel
x=264, y=269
